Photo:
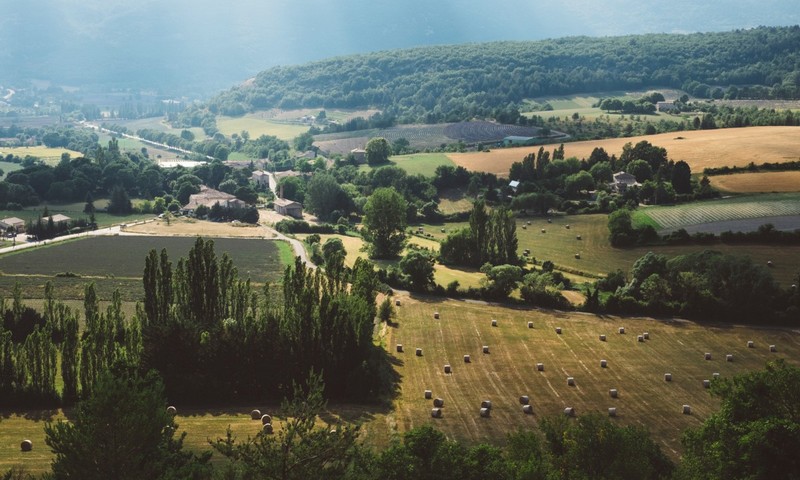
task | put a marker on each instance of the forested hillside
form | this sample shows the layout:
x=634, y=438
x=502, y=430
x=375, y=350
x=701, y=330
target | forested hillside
x=448, y=83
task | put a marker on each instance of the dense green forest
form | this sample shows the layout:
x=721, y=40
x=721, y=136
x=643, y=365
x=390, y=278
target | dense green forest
x=449, y=83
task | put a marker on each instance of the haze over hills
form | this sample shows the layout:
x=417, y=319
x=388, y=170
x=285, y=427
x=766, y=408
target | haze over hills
x=208, y=45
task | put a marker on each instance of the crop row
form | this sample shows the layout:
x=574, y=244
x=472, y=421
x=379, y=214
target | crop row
x=677, y=217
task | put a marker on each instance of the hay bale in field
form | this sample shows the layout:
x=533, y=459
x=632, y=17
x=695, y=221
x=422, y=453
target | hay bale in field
x=769, y=263
x=706, y=383
x=527, y=409
x=707, y=356
x=687, y=410
x=419, y=352
x=528, y=222
x=646, y=335
x=540, y=367
x=577, y=256
x=667, y=377
x=397, y=303
x=26, y=445
x=524, y=400
x=571, y=381
x=447, y=368
x=544, y=231
x=773, y=348
x=485, y=412
x=549, y=220
x=621, y=330
x=267, y=428
x=486, y=404
x=566, y=226
x=172, y=410
x=577, y=237
x=524, y=227
x=640, y=338
x=613, y=393
x=569, y=411
x=486, y=349
x=612, y=412
x=729, y=358
x=266, y=418
x=466, y=359
x=715, y=375
x=602, y=338
x=255, y=414
x=399, y=348
x=494, y=322
x=436, y=412
x=428, y=394
x=558, y=330
x=530, y=324
x=436, y=315
x=750, y=344
x=438, y=403
x=603, y=363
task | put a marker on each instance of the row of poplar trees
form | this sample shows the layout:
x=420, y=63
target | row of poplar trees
x=212, y=336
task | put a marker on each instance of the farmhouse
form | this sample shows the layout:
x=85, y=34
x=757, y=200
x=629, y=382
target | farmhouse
x=622, y=181
x=288, y=207
x=514, y=185
x=517, y=141
x=209, y=197
x=260, y=178
x=58, y=218
x=359, y=155
x=17, y=223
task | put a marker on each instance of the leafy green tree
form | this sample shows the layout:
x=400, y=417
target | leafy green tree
x=756, y=432
x=333, y=254
x=119, y=203
x=246, y=194
x=385, y=222
x=500, y=280
x=378, y=151
x=88, y=208
x=325, y=195
x=641, y=170
x=579, y=182
x=682, y=178
x=620, y=227
x=122, y=431
x=418, y=266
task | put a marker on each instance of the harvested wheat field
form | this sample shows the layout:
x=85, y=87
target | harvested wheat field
x=634, y=368
x=760, y=182
x=699, y=148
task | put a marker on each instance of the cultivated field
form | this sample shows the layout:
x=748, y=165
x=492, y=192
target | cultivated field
x=635, y=369
x=417, y=163
x=50, y=155
x=699, y=148
x=256, y=126
x=74, y=211
x=760, y=182
x=756, y=208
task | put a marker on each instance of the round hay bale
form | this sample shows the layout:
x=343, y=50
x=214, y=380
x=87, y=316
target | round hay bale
x=549, y=220
x=769, y=263
x=397, y=303
x=485, y=412
x=266, y=418
x=428, y=394
x=667, y=377
x=544, y=231
x=540, y=367
x=687, y=410
x=267, y=428
x=715, y=375
x=443, y=230
x=612, y=412
x=527, y=409
x=524, y=227
x=436, y=315
x=26, y=445
x=436, y=412
x=172, y=410
x=577, y=237
x=706, y=383
x=646, y=335
x=447, y=368
x=603, y=363
x=570, y=381
x=558, y=330
x=602, y=338
x=524, y=400
x=486, y=404
x=577, y=256
x=438, y=403
x=530, y=324
x=486, y=349
x=466, y=358
x=613, y=393
x=528, y=222
x=707, y=356
x=494, y=322
x=569, y=411
x=419, y=352
x=750, y=344
x=566, y=226
x=621, y=330
x=640, y=338
x=773, y=348
x=729, y=358
x=255, y=414
x=399, y=348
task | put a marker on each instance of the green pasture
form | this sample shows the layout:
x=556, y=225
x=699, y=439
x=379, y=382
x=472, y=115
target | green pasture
x=757, y=207
x=9, y=167
x=416, y=163
x=75, y=211
x=257, y=126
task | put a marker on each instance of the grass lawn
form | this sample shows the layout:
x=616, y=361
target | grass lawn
x=415, y=163
x=8, y=167
x=256, y=126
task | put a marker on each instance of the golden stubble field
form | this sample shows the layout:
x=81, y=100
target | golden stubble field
x=635, y=369
x=761, y=182
x=699, y=148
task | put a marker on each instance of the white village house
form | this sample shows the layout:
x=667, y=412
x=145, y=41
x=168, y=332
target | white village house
x=623, y=181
